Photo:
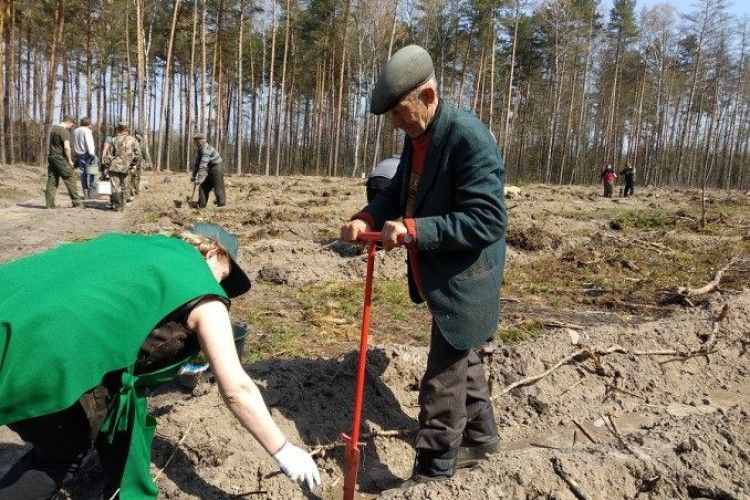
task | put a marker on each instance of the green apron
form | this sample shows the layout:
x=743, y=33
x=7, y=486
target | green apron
x=63, y=329
x=129, y=415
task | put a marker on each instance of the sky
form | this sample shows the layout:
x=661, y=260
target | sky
x=738, y=8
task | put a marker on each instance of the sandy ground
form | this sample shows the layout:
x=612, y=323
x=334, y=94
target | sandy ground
x=651, y=402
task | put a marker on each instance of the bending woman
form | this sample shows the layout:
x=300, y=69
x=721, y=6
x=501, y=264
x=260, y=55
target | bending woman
x=74, y=377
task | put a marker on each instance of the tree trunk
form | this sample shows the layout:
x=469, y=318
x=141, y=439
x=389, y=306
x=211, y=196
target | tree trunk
x=282, y=123
x=166, y=92
x=141, y=72
x=506, y=127
x=238, y=132
x=203, y=128
x=340, y=104
x=270, y=102
x=57, y=37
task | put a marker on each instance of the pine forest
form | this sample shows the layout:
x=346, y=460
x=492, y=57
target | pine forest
x=282, y=87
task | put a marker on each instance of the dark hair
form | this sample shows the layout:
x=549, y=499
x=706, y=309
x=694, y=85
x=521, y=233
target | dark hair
x=68, y=119
x=85, y=121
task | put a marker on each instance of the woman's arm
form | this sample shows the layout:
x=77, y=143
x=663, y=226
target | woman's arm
x=211, y=320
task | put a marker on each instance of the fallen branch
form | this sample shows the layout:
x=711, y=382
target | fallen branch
x=574, y=487
x=609, y=423
x=683, y=293
x=530, y=380
x=560, y=324
x=585, y=432
x=594, y=353
x=322, y=449
x=174, y=450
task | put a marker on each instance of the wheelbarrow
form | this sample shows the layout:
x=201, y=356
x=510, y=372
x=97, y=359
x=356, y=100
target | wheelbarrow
x=352, y=441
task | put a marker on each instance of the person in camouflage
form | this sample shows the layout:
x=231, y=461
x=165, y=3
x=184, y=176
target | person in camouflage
x=208, y=172
x=144, y=160
x=123, y=156
x=60, y=164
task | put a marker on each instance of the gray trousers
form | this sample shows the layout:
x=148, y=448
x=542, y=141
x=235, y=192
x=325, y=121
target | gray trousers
x=452, y=394
x=214, y=182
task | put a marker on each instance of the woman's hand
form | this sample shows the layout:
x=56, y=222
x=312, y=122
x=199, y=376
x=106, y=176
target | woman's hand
x=298, y=465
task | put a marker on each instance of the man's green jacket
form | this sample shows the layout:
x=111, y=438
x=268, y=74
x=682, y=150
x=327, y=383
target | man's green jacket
x=460, y=219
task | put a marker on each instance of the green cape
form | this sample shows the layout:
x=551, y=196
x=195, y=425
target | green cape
x=64, y=326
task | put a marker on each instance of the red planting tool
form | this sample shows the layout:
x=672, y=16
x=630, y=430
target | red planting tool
x=352, y=441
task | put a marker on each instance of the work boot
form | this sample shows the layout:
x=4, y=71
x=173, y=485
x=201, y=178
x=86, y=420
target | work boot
x=479, y=439
x=121, y=202
x=86, y=194
x=430, y=466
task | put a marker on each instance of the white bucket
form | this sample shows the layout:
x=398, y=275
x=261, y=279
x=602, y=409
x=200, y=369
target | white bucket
x=104, y=188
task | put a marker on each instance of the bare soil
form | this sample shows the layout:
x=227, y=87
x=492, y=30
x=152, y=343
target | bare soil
x=653, y=400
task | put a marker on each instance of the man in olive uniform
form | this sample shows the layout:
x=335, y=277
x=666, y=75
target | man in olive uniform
x=144, y=161
x=208, y=172
x=124, y=154
x=60, y=164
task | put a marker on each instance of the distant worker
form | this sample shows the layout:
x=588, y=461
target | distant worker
x=629, y=174
x=106, y=148
x=135, y=177
x=381, y=176
x=60, y=164
x=86, y=161
x=124, y=154
x=145, y=154
x=608, y=177
x=208, y=172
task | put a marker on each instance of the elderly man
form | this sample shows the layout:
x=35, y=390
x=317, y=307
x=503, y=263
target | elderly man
x=60, y=163
x=445, y=203
x=208, y=172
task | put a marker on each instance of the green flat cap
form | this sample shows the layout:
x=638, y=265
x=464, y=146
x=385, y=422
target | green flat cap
x=408, y=68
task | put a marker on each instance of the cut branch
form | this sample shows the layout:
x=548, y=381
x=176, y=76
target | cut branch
x=575, y=488
x=683, y=293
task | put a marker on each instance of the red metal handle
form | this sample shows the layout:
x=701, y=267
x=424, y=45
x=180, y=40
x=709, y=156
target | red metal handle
x=374, y=236
x=366, y=236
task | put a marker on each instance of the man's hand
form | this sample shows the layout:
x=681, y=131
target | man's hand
x=392, y=232
x=351, y=229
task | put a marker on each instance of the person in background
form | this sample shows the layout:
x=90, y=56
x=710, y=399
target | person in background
x=135, y=177
x=447, y=208
x=608, y=177
x=123, y=156
x=629, y=174
x=381, y=176
x=158, y=301
x=208, y=172
x=60, y=164
x=85, y=151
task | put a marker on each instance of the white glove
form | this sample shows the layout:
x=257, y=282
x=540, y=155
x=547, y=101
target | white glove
x=298, y=465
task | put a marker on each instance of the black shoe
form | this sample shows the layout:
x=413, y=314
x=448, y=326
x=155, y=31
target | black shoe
x=470, y=455
x=429, y=466
x=414, y=480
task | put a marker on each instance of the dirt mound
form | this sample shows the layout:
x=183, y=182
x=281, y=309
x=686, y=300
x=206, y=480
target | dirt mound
x=532, y=239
